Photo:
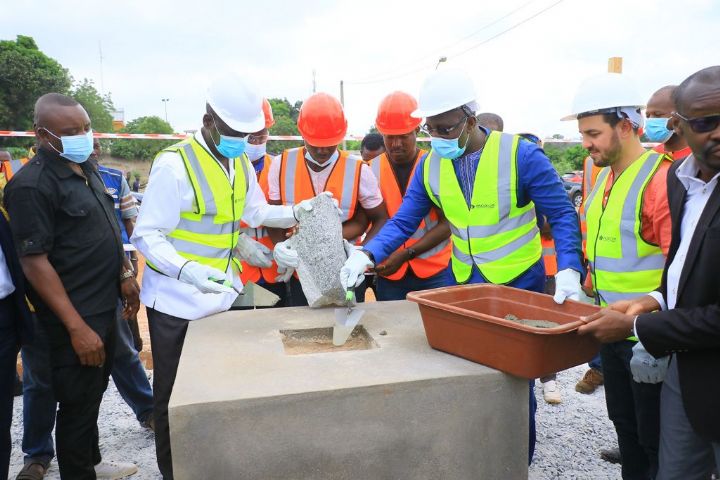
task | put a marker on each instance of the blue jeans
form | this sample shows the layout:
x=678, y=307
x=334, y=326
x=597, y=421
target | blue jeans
x=398, y=289
x=596, y=363
x=534, y=281
x=40, y=407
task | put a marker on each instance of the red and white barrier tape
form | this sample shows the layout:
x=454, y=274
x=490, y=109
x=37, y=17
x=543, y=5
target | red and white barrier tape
x=157, y=136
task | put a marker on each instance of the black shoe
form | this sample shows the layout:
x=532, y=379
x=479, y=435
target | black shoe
x=611, y=455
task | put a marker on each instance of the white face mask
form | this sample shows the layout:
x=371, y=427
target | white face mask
x=332, y=159
x=255, y=152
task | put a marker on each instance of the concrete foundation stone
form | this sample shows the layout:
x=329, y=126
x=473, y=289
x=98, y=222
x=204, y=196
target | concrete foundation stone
x=242, y=408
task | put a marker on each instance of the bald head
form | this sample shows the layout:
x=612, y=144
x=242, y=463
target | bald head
x=696, y=85
x=5, y=156
x=56, y=116
x=492, y=121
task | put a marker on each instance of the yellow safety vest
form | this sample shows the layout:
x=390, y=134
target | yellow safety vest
x=495, y=234
x=622, y=263
x=209, y=233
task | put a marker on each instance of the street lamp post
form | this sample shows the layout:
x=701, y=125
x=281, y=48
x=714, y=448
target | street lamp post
x=440, y=60
x=165, y=100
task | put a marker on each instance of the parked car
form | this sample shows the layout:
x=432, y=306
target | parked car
x=574, y=191
x=575, y=177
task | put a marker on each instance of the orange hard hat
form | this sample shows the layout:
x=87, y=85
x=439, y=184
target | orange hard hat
x=267, y=110
x=322, y=122
x=393, y=116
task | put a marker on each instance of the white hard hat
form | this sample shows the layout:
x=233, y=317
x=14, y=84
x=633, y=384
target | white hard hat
x=444, y=90
x=237, y=102
x=605, y=92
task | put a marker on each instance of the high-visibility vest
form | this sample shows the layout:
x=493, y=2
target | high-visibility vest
x=209, y=233
x=494, y=234
x=251, y=273
x=623, y=264
x=10, y=168
x=549, y=256
x=343, y=181
x=428, y=263
x=590, y=173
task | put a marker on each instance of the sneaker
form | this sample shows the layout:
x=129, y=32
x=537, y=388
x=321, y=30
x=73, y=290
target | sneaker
x=551, y=392
x=114, y=470
x=611, y=455
x=593, y=378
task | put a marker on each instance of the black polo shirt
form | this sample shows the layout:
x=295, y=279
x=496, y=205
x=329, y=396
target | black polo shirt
x=55, y=211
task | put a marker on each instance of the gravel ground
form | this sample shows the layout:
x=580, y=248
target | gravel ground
x=570, y=436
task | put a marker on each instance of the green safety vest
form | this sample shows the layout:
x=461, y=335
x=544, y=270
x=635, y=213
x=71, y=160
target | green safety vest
x=209, y=233
x=495, y=234
x=622, y=263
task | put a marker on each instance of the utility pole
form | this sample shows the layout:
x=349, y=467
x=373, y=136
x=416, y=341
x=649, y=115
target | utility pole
x=165, y=100
x=102, y=79
x=314, y=82
x=342, y=102
x=615, y=64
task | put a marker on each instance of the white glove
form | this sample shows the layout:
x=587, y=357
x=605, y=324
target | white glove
x=645, y=368
x=307, y=204
x=285, y=255
x=567, y=285
x=353, y=271
x=204, y=278
x=253, y=252
x=286, y=274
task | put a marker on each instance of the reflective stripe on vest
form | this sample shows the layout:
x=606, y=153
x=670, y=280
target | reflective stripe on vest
x=425, y=264
x=622, y=263
x=209, y=233
x=13, y=166
x=495, y=234
x=549, y=256
x=343, y=181
x=251, y=273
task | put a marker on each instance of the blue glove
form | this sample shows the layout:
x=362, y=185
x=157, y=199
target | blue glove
x=645, y=368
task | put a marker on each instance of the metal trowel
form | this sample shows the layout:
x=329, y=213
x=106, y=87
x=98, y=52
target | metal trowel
x=345, y=319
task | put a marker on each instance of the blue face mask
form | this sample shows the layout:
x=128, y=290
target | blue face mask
x=449, y=147
x=230, y=147
x=656, y=129
x=76, y=148
x=255, y=152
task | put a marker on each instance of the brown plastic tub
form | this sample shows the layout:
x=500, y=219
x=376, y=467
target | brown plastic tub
x=468, y=321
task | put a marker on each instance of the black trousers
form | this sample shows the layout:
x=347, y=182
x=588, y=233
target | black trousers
x=79, y=390
x=9, y=342
x=634, y=409
x=167, y=336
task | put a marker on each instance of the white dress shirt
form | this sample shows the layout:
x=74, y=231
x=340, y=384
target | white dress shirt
x=698, y=193
x=6, y=284
x=168, y=194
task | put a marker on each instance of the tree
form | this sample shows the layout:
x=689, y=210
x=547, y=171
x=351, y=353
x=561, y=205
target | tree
x=99, y=107
x=26, y=73
x=139, y=148
x=286, y=115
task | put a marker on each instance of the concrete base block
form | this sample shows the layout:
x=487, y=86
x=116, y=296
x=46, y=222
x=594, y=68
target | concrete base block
x=245, y=408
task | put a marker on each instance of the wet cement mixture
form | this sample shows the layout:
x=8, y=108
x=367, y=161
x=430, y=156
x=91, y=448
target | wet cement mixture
x=531, y=323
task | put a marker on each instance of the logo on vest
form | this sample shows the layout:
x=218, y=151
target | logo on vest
x=482, y=205
x=111, y=191
x=605, y=238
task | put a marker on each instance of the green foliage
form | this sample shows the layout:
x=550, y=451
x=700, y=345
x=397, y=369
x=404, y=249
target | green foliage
x=286, y=115
x=566, y=158
x=17, y=152
x=142, y=149
x=25, y=74
x=99, y=107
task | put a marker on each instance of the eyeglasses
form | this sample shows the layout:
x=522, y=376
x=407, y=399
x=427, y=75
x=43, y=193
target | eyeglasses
x=442, y=131
x=705, y=124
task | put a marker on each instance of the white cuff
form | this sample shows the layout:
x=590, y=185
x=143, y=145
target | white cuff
x=279, y=216
x=659, y=298
x=635, y=327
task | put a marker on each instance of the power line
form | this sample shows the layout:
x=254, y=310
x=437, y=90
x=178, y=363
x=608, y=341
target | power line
x=424, y=67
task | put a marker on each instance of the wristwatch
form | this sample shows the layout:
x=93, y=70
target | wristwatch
x=126, y=274
x=411, y=253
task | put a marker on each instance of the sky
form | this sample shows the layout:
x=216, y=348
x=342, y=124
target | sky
x=527, y=57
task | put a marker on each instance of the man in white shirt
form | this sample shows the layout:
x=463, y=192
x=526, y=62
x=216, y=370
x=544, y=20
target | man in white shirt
x=197, y=193
x=679, y=323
